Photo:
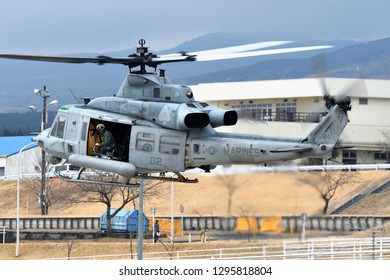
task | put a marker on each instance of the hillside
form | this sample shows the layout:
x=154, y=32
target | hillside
x=375, y=204
x=258, y=194
x=22, y=123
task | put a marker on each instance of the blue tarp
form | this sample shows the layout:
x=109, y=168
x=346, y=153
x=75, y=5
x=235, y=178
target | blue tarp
x=124, y=221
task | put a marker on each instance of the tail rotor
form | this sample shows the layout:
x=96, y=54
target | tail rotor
x=342, y=98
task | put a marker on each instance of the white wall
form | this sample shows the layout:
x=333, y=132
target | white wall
x=29, y=159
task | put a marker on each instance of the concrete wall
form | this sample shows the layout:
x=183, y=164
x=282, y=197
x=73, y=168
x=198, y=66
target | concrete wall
x=80, y=223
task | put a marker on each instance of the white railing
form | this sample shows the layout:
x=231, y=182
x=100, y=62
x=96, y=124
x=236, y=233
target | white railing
x=22, y=176
x=347, y=249
x=265, y=169
x=301, y=168
x=321, y=249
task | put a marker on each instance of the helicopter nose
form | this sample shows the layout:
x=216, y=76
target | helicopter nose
x=39, y=139
x=40, y=143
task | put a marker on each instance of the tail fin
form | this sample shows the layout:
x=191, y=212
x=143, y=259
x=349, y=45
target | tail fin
x=330, y=128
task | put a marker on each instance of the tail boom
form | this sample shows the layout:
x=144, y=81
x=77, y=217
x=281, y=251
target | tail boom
x=229, y=148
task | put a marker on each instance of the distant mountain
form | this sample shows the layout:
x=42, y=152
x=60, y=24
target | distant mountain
x=180, y=73
x=369, y=60
x=23, y=124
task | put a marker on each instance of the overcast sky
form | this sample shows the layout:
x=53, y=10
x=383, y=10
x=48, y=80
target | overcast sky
x=71, y=26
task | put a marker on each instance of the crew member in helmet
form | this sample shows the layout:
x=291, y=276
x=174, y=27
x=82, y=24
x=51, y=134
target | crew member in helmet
x=108, y=141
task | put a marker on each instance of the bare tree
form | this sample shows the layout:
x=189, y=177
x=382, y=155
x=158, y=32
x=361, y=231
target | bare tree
x=42, y=188
x=69, y=244
x=54, y=194
x=169, y=250
x=249, y=218
x=231, y=183
x=327, y=183
x=107, y=191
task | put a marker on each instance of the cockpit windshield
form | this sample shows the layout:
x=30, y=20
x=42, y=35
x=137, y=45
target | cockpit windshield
x=58, y=127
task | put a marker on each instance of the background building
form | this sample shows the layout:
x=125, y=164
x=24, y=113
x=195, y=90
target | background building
x=9, y=150
x=293, y=107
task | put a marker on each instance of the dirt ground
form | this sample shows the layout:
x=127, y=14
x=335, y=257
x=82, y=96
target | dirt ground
x=257, y=194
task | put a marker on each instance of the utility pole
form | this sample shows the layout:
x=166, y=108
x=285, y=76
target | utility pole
x=44, y=93
x=140, y=234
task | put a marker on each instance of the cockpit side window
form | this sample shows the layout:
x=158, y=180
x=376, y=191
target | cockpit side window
x=58, y=126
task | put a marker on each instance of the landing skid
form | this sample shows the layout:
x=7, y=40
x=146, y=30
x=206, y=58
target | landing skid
x=97, y=182
x=162, y=177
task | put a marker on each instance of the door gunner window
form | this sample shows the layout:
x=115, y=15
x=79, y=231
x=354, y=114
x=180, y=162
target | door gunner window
x=169, y=145
x=145, y=142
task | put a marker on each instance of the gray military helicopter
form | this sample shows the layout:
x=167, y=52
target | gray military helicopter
x=159, y=127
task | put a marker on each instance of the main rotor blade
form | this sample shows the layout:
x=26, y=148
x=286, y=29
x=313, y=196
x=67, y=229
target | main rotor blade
x=69, y=59
x=234, y=49
x=153, y=60
x=257, y=53
x=131, y=61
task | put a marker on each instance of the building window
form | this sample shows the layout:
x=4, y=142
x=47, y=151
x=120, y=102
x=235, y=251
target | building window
x=262, y=112
x=349, y=157
x=258, y=112
x=286, y=111
x=363, y=101
x=382, y=156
